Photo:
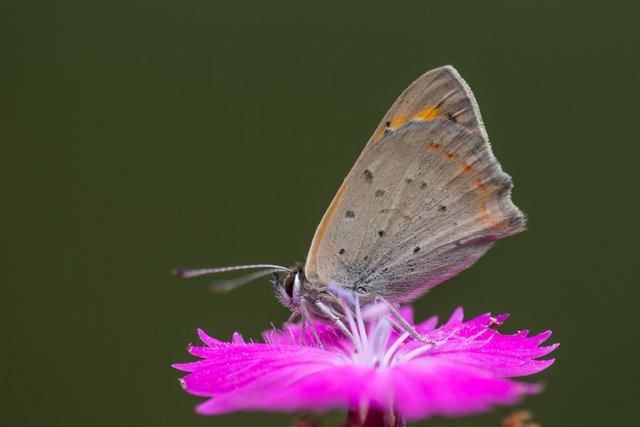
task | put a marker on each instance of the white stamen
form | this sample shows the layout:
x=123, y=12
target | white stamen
x=361, y=328
x=416, y=352
x=372, y=350
x=397, y=343
x=353, y=328
x=379, y=340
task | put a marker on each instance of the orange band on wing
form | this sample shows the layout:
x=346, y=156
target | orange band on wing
x=478, y=185
x=396, y=123
x=427, y=114
x=466, y=167
x=322, y=228
x=378, y=135
x=483, y=213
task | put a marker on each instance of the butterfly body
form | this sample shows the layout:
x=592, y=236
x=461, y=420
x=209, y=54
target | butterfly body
x=424, y=201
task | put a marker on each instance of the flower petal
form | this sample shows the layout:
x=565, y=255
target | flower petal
x=465, y=372
x=474, y=343
x=237, y=366
x=417, y=390
x=291, y=334
x=425, y=388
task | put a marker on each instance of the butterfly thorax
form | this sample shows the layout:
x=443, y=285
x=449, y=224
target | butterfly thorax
x=303, y=294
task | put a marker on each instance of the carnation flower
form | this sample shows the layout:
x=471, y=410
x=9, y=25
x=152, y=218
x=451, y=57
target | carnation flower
x=381, y=372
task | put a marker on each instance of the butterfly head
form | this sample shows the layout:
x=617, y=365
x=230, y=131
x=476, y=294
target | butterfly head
x=289, y=289
x=309, y=297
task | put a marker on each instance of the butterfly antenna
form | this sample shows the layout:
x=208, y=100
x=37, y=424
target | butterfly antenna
x=222, y=286
x=187, y=273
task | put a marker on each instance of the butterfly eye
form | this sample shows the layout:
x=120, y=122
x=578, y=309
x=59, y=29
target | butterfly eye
x=288, y=284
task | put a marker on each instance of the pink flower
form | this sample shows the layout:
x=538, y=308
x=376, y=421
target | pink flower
x=467, y=370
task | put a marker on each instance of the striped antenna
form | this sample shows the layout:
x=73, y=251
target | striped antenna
x=188, y=273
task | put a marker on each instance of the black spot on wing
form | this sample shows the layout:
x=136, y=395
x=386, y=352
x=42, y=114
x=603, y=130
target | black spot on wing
x=379, y=193
x=350, y=214
x=368, y=175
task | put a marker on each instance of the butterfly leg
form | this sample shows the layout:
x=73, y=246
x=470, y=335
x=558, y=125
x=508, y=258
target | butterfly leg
x=331, y=315
x=302, y=325
x=293, y=316
x=306, y=318
x=404, y=325
x=303, y=331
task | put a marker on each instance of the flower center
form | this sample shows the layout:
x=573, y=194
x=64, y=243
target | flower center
x=371, y=344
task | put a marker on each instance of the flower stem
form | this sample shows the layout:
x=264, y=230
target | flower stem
x=374, y=418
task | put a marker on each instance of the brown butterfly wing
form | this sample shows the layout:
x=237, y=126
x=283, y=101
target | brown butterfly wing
x=439, y=94
x=425, y=199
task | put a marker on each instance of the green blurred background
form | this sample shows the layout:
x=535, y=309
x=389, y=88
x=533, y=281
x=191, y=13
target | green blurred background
x=138, y=136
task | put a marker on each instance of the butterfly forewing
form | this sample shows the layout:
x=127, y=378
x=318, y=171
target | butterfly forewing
x=425, y=199
x=438, y=94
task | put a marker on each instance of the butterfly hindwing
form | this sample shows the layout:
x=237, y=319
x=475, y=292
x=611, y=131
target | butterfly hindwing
x=425, y=199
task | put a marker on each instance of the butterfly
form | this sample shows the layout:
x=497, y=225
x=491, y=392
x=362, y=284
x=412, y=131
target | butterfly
x=424, y=201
